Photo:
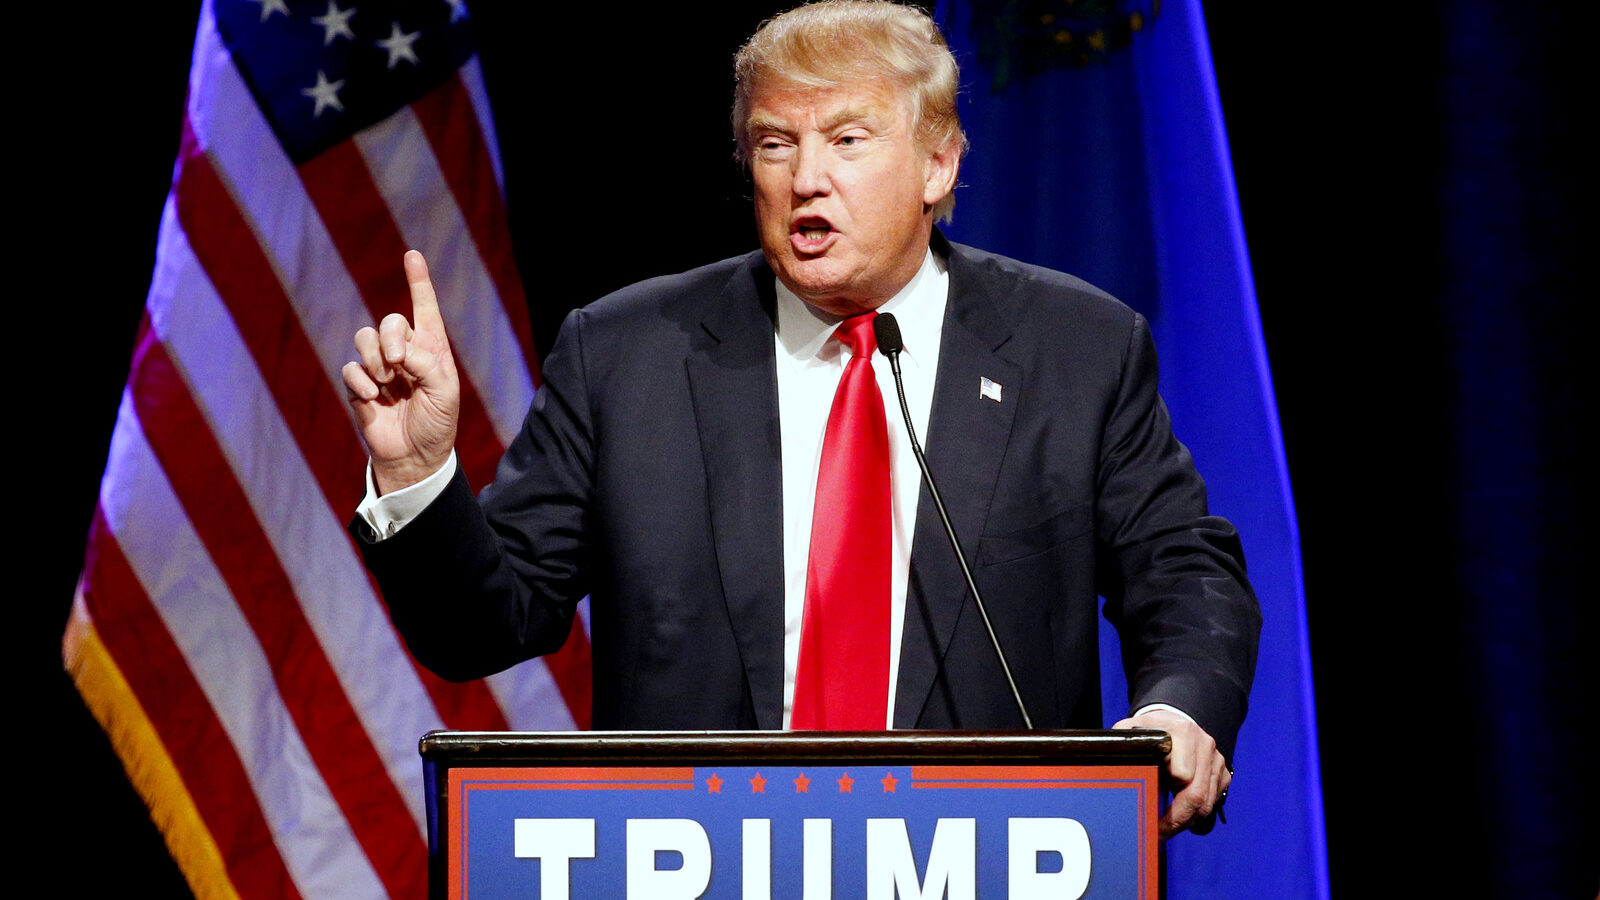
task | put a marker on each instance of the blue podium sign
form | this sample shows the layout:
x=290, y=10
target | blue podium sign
x=801, y=832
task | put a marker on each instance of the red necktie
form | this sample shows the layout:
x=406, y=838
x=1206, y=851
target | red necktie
x=842, y=678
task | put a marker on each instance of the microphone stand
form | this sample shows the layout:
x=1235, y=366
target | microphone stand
x=887, y=332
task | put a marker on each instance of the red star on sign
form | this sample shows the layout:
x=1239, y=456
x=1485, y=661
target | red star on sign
x=889, y=781
x=714, y=784
x=802, y=785
x=844, y=783
x=758, y=785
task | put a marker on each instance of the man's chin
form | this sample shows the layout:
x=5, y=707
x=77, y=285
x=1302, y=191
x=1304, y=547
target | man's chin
x=808, y=278
x=838, y=305
x=824, y=284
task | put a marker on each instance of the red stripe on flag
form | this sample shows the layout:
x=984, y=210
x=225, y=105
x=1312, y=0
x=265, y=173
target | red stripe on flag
x=136, y=638
x=311, y=407
x=448, y=119
x=364, y=232
x=181, y=439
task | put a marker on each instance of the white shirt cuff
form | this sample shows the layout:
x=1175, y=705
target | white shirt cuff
x=1164, y=706
x=387, y=514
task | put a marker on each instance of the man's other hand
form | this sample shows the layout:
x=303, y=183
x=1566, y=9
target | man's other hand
x=405, y=390
x=1196, y=767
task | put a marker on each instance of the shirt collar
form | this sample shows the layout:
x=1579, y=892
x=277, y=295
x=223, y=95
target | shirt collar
x=803, y=331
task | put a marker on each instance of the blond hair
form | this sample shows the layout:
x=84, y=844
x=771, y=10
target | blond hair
x=836, y=42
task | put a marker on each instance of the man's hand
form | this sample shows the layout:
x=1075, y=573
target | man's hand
x=405, y=390
x=1194, y=764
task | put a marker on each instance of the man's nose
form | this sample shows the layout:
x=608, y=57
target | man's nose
x=811, y=177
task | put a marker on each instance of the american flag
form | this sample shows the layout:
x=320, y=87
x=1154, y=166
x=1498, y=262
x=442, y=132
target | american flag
x=224, y=632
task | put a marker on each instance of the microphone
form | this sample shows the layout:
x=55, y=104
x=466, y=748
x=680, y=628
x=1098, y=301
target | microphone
x=887, y=332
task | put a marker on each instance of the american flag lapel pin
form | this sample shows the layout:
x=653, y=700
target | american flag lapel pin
x=989, y=389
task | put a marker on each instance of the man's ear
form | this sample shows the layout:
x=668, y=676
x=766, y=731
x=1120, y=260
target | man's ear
x=940, y=172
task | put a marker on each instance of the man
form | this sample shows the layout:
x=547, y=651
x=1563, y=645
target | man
x=682, y=462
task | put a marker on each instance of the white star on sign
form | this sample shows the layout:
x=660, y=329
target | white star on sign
x=398, y=43
x=268, y=7
x=326, y=93
x=335, y=23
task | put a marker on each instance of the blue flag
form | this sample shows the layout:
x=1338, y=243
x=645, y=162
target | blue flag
x=1099, y=149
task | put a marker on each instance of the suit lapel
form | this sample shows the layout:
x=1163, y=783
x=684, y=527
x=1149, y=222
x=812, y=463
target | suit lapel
x=967, y=436
x=735, y=394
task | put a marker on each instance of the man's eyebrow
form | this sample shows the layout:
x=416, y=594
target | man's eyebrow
x=846, y=116
x=757, y=124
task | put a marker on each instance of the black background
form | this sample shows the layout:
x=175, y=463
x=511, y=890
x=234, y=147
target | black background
x=1409, y=186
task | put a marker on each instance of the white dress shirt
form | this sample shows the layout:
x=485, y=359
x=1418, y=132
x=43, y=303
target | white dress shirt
x=810, y=363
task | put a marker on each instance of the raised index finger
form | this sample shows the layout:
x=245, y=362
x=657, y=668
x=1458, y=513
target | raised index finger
x=424, y=302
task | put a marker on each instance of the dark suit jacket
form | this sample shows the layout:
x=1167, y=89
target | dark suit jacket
x=647, y=475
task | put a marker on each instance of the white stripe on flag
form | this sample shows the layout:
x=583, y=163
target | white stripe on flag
x=220, y=647
x=306, y=534
x=471, y=76
x=530, y=699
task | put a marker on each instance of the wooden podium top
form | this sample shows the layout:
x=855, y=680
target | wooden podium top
x=1077, y=747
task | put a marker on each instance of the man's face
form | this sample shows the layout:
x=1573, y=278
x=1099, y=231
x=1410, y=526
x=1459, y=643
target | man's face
x=843, y=191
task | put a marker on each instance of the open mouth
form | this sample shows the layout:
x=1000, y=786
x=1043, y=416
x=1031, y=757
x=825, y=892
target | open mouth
x=812, y=234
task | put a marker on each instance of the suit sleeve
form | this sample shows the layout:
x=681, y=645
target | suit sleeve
x=476, y=585
x=1173, y=576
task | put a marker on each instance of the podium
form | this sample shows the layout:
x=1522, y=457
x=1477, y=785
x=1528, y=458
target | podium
x=804, y=815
